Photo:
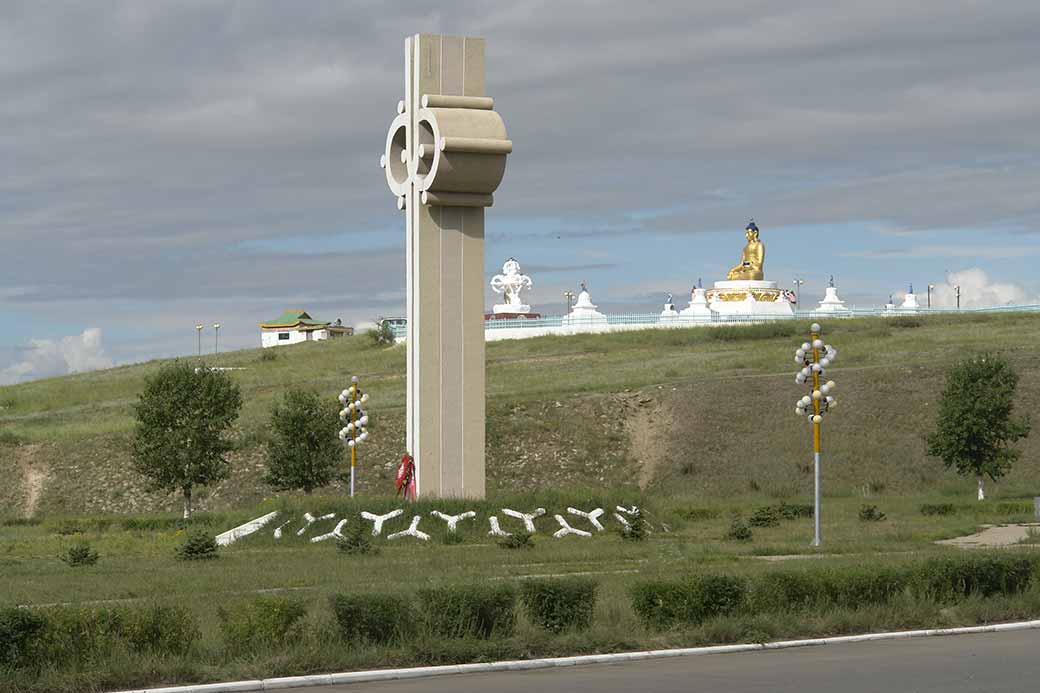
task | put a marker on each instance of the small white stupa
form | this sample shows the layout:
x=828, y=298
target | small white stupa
x=584, y=313
x=910, y=301
x=669, y=309
x=698, y=307
x=831, y=303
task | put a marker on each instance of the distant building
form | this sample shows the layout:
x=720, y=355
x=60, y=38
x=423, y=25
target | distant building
x=295, y=326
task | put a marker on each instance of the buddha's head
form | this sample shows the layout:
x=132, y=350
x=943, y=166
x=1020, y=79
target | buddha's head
x=751, y=231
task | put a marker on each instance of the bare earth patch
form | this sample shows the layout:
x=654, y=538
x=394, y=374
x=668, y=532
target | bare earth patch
x=992, y=536
x=34, y=474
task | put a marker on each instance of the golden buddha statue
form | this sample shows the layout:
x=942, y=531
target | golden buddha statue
x=752, y=257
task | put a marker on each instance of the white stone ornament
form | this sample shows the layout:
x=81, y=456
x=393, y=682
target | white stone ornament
x=565, y=529
x=496, y=529
x=622, y=511
x=510, y=284
x=592, y=516
x=378, y=520
x=453, y=520
x=244, y=530
x=310, y=520
x=412, y=531
x=335, y=533
x=278, y=529
x=528, y=518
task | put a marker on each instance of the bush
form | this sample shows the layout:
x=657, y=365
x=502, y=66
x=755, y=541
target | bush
x=766, y=516
x=517, y=540
x=478, y=610
x=1013, y=508
x=870, y=513
x=74, y=635
x=80, y=554
x=636, y=529
x=382, y=334
x=268, y=355
x=198, y=545
x=19, y=629
x=793, y=511
x=665, y=603
x=375, y=618
x=263, y=622
x=739, y=530
x=558, y=604
x=938, y=509
x=951, y=577
x=809, y=589
x=355, y=541
x=699, y=514
x=68, y=528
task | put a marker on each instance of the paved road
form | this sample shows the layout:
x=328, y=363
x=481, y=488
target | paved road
x=989, y=663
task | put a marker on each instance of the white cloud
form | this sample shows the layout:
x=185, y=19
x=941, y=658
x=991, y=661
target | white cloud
x=977, y=291
x=52, y=357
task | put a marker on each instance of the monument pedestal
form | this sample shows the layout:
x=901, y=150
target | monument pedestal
x=751, y=297
x=698, y=307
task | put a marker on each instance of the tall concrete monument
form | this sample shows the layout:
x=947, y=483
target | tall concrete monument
x=445, y=156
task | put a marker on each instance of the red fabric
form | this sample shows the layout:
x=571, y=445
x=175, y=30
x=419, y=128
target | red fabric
x=405, y=481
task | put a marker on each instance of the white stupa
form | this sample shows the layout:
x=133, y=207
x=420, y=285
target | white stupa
x=910, y=301
x=669, y=309
x=831, y=303
x=584, y=313
x=698, y=307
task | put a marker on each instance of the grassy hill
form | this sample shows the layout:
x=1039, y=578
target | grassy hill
x=700, y=411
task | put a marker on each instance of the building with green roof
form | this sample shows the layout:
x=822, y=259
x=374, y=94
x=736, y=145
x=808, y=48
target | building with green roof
x=295, y=326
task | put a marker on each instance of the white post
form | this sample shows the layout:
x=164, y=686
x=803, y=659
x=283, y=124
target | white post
x=982, y=489
x=817, y=540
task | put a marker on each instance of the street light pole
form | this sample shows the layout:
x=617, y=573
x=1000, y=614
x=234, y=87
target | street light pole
x=569, y=296
x=356, y=430
x=216, y=338
x=814, y=365
x=198, y=331
x=798, y=293
x=931, y=287
x=957, y=290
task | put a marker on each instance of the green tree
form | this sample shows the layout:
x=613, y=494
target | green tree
x=975, y=429
x=304, y=451
x=183, y=416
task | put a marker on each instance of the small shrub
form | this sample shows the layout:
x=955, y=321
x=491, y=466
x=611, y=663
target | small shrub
x=355, y=541
x=699, y=514
x=266, y=621
x=478, y=610
x=636, y=529
x=73, y=635
x=452, y=539
x=938, y=509
x=870, y=513
x=381, y=335
x=739, y=530
x=69, y=527
x=558, y=604
x=198, y=545
x=690, y=601
x=268, y=355
x=766, y=516
x=19, y=629
x=794, y=511
x=517, y=540
x=375, y=618
x=79, y=554
x=953, y=577
x=161, y=629
x=1013, y=508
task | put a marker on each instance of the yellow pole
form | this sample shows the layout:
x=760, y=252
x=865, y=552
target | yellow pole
x=353, y=434
x=816, y=442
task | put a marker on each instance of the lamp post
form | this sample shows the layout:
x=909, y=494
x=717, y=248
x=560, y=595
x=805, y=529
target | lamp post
x=798, y=293
x=817, y=403
x=957, y=291
x=198, y=331
x=216, y=338
x=931, y=288
x=352, y=414
x=568, y=296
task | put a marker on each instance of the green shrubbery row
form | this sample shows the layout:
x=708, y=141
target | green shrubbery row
x=691, y=600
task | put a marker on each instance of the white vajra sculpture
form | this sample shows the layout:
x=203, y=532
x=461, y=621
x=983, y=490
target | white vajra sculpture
x=412, y=531
x=528, y=518
x=453, y=520
x=510, y=283
x=592, y=516
x=566, y=529
x=378, y=520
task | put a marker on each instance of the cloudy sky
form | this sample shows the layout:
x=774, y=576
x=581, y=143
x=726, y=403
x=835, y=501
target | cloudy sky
x=167, y=163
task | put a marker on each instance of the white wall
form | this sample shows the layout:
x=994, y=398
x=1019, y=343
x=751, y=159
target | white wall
x=270, y=338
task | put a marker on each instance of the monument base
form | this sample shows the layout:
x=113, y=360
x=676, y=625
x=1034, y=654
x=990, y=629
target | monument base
x=511, y=316
x=511, y=309
x=752, y=297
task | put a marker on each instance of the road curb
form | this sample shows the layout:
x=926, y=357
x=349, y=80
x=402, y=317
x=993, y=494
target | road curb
x=551, y=663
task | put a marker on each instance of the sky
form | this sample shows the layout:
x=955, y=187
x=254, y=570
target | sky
x=164, y=164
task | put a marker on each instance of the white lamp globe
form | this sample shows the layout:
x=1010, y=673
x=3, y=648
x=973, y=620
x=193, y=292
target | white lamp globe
x=364, y=420
x=817, y=344
x=817, y=395
x=817, y=418
x=806, y=346
x=831, y=385
x=815, y=327
x=350, y=443
x=799, y=411
x=825, y=362
x=364, y=397
x=806, y=371
x=816, y=368
x=825, y=388
x=800, y=353
x=353, y=378
x=806, y=401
